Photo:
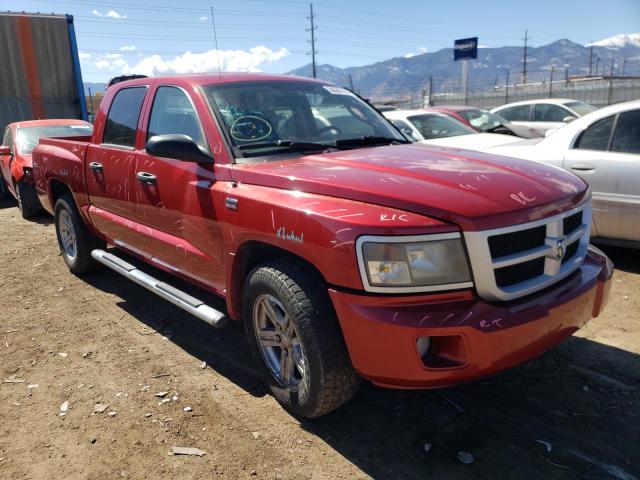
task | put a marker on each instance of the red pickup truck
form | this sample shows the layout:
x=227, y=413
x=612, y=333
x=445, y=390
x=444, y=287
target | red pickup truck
x=347, y=252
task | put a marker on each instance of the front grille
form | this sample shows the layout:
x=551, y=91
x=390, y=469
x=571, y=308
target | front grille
x=571, y=252
x=571, y=223
x=512, y=262
x=516, y=242
x=521, y=272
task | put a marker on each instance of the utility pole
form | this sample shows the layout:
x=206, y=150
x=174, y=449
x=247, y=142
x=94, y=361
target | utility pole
x=524, y=58
x=506, y=88
x=313, y=29
x=590, y=57
x=430, y=102
x=551, y=82
x=351, y=83
x=597, y=65
x=610, y=91
x=91, y=104
x=624, y=64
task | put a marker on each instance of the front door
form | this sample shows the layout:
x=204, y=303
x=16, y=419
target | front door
x=175, y=198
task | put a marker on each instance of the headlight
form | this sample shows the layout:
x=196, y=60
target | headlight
x=416, y=263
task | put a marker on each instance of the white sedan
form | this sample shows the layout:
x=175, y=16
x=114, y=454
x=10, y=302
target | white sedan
x=603, y=148
x=544, y=114
x=434, y=128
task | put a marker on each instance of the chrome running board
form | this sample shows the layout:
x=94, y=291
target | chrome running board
x=179, y=298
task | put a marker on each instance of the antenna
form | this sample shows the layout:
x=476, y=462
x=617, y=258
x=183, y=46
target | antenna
x=215, y=40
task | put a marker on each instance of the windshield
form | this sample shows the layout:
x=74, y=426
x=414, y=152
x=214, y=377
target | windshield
x=482, y=119
x=266, y=116
x=581, y=108
x=432, y=126
x=28, y=137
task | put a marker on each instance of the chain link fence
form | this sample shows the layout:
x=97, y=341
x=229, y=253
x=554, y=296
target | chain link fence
x=598, y=91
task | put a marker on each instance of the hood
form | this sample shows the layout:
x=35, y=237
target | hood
x=472, y=189
x=475, y=141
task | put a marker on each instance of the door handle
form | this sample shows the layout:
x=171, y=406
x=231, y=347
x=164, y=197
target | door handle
x=145, y=177
x=583, y=167
x=96, y=167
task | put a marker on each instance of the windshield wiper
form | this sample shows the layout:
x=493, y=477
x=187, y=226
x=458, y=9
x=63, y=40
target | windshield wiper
x=369, y=140
x=288, y=144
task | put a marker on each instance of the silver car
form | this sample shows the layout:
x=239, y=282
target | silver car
x=603, y=148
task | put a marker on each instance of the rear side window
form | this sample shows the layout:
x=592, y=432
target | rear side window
x=597, y=136
x=516, y=114
x=173, y=112
x=626, y=138
x=123, y=117
x=546, y=112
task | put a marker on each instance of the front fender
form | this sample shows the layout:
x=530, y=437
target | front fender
x=319, y=229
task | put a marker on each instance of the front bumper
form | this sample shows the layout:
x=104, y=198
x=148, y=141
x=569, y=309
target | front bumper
x=470, y=338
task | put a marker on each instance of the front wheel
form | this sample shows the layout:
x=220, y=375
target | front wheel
x=74, y=238
x=296, y=339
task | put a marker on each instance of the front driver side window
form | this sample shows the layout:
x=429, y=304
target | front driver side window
x=596, y=136
x=546, y=112
x=173, y=113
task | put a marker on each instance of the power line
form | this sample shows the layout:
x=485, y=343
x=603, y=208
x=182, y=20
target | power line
x=215, y=40
x=313, y=52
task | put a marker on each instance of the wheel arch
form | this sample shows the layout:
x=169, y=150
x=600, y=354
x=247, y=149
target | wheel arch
x=249, y=255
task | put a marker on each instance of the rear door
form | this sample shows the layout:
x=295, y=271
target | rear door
x=110, y=166
x=519, y=115
x=175, y=198
x=607, y=155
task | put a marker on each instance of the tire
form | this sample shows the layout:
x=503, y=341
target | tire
x=305, y=337
x=4, y=191
x=74, y=238
x=28, y=202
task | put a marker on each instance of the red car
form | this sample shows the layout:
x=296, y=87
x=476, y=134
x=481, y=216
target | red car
x=345, y=250
x=18, y=142
x=484, y=121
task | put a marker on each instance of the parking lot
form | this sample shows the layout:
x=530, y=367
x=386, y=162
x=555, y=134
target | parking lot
x=98, y=340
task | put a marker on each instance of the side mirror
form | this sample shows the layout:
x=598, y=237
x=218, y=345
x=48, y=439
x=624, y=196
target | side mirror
x=178, y=146
x=5, y=150
x=568, y=118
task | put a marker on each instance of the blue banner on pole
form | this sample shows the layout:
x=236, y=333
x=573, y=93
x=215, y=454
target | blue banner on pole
x=465, y=49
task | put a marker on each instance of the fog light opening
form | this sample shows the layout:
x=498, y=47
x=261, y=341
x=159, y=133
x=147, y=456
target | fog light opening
x=423, y=344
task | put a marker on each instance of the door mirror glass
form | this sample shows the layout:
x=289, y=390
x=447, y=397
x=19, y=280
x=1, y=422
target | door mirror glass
x=5, y=150
x=568, y=118
x=178, y=146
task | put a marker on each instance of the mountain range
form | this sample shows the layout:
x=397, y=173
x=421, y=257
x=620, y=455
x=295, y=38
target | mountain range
x=403, y=76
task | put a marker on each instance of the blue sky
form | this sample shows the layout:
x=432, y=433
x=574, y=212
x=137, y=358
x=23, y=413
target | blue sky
x=269, y=35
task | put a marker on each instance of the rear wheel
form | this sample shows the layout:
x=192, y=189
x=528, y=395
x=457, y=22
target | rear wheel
x=74, y=238
x=296, y=339
x=28, y=202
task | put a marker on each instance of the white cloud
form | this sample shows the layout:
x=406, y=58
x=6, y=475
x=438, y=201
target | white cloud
x=484, y=46
x=114, y=14
x=84, y=55
x=110, y=14
x=189, y=62
x=128, y=48
x=420, y=51
x=203, y=19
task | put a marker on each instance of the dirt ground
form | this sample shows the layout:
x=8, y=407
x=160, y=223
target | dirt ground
x=573, y=413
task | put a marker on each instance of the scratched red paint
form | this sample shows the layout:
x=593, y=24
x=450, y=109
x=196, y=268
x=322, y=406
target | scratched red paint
x=315, y=207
